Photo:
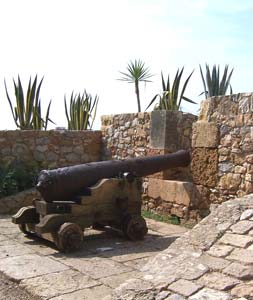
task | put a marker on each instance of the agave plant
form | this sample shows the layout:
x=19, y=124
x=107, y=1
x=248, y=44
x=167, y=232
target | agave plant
x=27, y=112
x=171, y=98
x=82, y=111
x=136, y=72
x=212, y=84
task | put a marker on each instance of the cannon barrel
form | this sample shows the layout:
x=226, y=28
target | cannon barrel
x=65, y=183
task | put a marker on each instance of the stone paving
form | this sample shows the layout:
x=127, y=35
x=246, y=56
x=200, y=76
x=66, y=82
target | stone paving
x=213, y=261
x=105, y=261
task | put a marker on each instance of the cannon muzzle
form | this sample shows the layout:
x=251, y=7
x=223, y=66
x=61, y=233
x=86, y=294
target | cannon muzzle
x=64, y=184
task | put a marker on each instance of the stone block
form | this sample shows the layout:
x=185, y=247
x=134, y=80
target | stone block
x=246, y=103
x=236, y=240
x=218, y=281
x=214, y=107
x=249, y=177
x=184, y=287
x=230, y=182
x=249, y=158
x=206, y=109
x=92, y=293
x=239, y=271
x=55, y=284
x=243, y=290
x=163, y=132
x=242, y=227
x=13, y=249
x=220, y=250
x=210, y=294
x=214, y=263
x=90, y=265
x=172, y=191
x=242, y=255
x=226, y=167
x=32, y=265
x=248, y=187
x=248, y=213
x=240, y=170
x=204, y=166
x=205, y=134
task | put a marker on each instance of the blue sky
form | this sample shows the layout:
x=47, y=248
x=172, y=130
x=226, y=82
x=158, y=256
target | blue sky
x=81, y=44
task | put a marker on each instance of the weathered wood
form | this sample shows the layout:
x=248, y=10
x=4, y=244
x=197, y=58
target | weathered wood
x=101, y=206
x=27, y=214
x=69, y=237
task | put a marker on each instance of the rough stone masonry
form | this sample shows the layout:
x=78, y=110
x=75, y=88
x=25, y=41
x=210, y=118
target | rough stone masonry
x=222, y=159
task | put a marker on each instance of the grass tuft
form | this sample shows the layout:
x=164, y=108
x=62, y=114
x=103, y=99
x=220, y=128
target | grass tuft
x=161, y=218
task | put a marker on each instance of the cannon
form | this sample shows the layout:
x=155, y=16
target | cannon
x=96, y=194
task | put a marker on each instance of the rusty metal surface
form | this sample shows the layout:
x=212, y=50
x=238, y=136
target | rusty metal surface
x=65, y=183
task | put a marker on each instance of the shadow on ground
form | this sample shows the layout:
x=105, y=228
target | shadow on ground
x=108, y=244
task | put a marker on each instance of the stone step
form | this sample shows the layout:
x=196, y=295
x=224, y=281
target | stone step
x=176, y=197
x=180, y=192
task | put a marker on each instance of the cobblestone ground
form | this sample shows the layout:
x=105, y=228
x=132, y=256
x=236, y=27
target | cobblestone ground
x=213, y=261
x=105, y=261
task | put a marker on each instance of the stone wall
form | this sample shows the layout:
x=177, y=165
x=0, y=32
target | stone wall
x=222, y=159
x=50, y=149
x=126, y=135
x=45, y=150
x=141, y=134
x=159, y=132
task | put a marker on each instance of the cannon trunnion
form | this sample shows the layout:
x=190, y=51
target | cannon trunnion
x=78, y=197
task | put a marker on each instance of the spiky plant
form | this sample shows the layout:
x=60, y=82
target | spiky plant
x=27, y=112
x=82, y=111
x=171, y=96
x=213, y=84
x=136, y=72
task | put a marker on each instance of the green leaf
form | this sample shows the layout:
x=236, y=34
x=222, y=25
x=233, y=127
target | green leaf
x=183, y=91
x=27, y=114
x=215, y=87
x=152, y=101
x=82, y=108
x=170, y=99
x=136, y=72
x=9, y=100
x=20, y=101
x=203, y=81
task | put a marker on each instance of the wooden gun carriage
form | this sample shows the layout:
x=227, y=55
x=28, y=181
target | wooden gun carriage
x=105, y=193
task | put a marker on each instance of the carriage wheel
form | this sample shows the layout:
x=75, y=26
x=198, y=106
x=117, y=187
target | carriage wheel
x=69, y=237
x=135, y=228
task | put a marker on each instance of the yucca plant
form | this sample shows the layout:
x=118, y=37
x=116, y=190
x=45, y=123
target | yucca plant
x=27, y=112
x=136, y=72
x=82, y=111
x=171, y=96
x=212, y=84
